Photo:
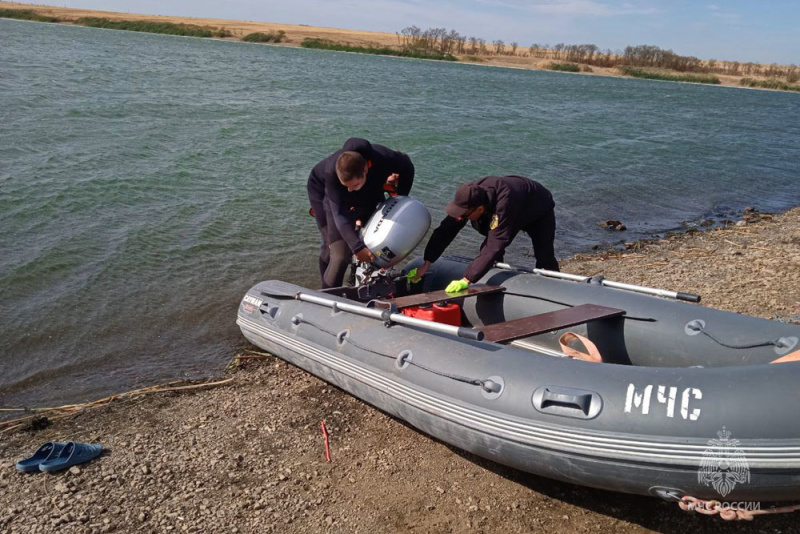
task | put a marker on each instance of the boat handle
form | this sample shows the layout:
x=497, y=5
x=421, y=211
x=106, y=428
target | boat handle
x=569, y=402
x=266, y=309
x=576, y=402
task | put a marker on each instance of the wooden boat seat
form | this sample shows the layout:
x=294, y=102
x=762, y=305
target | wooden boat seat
x=547, y=322
x=441, y=296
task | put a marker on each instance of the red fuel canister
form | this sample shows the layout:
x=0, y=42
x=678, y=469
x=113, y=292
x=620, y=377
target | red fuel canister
x=446, y=313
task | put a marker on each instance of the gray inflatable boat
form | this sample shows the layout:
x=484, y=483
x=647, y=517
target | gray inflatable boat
x=571, y=379
x=685, y=402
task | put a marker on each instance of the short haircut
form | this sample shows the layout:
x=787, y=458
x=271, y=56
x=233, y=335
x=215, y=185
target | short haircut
x=350, y=165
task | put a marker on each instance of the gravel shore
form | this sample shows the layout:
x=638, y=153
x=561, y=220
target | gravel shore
x=248, y=455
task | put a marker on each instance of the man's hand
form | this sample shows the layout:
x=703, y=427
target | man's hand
x=416, y=274
x=457, y=285
x=393, y=180
x=364, y=255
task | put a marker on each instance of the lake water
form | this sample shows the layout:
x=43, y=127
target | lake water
x=146, y=182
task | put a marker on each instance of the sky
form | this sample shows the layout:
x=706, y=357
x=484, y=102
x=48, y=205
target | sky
x=766, y=31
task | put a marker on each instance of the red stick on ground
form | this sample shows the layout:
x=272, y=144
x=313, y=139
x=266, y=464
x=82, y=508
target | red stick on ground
x=325, y=435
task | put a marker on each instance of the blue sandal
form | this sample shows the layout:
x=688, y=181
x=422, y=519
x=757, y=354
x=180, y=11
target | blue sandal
x=48, y=451
x=72, y=454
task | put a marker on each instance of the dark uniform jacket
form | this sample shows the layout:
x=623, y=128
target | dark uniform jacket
x=330, y=199
x=514, y=203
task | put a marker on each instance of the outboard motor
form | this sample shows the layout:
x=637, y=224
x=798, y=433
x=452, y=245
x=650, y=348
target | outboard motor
x=391, y=234
x=398, y=225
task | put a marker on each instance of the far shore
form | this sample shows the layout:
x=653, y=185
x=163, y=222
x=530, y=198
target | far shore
x=296, y=34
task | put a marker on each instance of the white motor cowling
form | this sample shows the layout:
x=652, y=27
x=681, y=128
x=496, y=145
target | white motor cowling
x=398, y=225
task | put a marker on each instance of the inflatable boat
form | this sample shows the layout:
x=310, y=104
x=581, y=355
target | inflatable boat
x=567, y=377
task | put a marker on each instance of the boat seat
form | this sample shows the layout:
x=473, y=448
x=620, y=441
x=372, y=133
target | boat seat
x=546, y=322
x=433, y=297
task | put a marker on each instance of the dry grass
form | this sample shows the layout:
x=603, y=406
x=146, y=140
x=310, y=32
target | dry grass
x=59, y=412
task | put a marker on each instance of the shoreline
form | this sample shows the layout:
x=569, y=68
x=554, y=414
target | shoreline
x=607, y=248
x=248, y=456
x=297, y=33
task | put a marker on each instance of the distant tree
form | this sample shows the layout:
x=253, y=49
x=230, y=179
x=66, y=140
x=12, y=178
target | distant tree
x=453, y=41
x=499, y=46
x=460, y=42
x=439, y=35
x=591, y=50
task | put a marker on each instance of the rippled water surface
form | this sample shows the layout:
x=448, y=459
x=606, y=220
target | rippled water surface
x=148, y=181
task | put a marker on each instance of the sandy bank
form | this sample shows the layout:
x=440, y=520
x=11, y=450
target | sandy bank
x=248, y=456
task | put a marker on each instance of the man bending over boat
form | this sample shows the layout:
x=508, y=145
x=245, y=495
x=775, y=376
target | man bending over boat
x=499, y=207
x=344, y=189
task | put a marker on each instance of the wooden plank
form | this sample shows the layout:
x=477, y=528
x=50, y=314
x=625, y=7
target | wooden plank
x=547, y=322
x=441, y=296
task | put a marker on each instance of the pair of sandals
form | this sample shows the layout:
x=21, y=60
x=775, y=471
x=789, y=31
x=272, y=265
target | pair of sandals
x=55, y=456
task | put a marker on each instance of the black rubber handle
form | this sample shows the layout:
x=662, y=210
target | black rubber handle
x=470, y=333
x=580, y=402
x=688, y=297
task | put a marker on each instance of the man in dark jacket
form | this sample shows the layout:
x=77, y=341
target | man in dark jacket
x=499, y=207
x=343, y=190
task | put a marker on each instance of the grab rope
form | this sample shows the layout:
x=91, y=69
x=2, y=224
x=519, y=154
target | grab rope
x=751, y=346
x=700, y=327
x=484, y=384
x=693, y=504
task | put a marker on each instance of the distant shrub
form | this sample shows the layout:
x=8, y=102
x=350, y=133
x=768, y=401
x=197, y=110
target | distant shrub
x=167, y=28
x=268, y=37
x=650, y=75
x=793, y=77
x=476, y=59
x=772, y=83
x=323, y=44
x=564, y=67
x=26, y=14
x=586, y=68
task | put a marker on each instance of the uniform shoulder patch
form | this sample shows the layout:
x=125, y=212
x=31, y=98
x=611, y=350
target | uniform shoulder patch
x=494, y=222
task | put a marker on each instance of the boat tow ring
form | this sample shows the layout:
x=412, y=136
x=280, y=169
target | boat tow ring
x=404, y=359
x=668, y=494
x=694, y=327
x=492, y=387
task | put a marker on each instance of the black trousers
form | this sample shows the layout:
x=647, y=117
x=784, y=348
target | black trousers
x=322, y=226
x=335, y=255
x=543, y=235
